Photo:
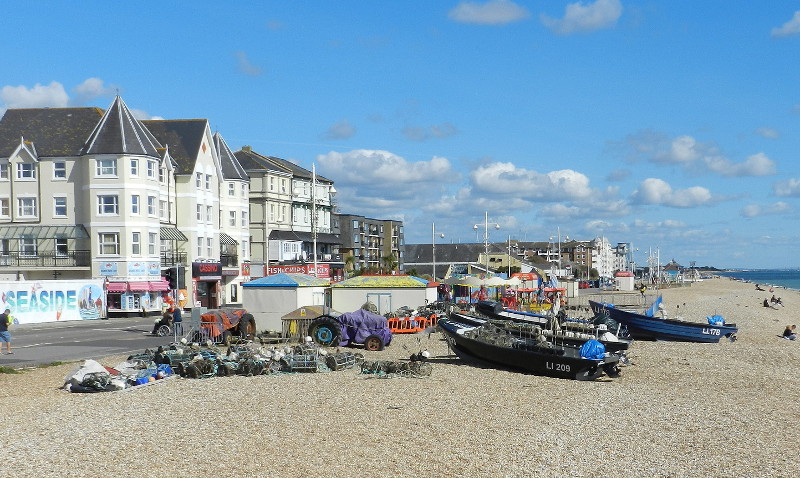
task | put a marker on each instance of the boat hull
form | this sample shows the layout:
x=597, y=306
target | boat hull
x=642, y=327
x=548, y=362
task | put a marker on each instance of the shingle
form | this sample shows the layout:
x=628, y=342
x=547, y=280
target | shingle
x=55, y=132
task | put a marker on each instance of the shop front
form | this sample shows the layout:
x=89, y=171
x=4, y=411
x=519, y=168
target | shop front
x=206, y=278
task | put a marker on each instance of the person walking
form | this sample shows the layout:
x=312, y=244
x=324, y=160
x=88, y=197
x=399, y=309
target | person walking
x=177, y=320
x=5, y=335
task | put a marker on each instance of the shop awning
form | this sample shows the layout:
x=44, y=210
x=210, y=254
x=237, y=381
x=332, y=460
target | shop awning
x=172, y=234
x=43, y=232
x=139, y=286
x=227, y=240
x=117, y=286
x=159, y=286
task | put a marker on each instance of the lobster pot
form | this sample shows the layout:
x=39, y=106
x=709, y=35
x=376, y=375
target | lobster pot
x=340, y=361
x=302, y=362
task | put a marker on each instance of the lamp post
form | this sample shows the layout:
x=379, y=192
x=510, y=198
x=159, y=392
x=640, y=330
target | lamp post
x=486, y=225
x=433, y=247
x=559, y=247
x=314, y=213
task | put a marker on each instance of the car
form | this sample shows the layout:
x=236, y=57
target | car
x=357, y=327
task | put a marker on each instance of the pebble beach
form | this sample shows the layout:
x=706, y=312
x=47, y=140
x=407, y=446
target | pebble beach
x=680, y=409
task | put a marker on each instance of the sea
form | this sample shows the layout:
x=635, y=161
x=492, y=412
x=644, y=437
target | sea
x=787, y=278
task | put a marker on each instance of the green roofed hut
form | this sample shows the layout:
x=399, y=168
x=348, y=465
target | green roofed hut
x=270, y=298
x=387, y=292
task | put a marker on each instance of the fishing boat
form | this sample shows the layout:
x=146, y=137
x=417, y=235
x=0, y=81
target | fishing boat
x=529, y=351
x=572, y=331
x=648, y=326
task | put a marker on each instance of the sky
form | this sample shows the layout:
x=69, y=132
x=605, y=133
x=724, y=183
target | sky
x=671, y=125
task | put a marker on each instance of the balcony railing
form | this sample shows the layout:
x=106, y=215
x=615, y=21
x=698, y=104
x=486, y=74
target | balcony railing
x=229, y=260
x=46, y=259
x=172, y=258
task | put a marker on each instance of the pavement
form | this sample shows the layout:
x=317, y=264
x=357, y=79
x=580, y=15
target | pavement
x=48, y=342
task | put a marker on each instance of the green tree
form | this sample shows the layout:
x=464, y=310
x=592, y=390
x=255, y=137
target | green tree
x=389, y=263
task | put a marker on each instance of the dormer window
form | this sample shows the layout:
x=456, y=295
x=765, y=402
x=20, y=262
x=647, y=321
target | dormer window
x=26, y=171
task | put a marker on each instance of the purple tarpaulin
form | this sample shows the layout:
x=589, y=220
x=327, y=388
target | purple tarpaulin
x=360, y=324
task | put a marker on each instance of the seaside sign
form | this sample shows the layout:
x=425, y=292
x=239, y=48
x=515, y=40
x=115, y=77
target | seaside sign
x=53, y=300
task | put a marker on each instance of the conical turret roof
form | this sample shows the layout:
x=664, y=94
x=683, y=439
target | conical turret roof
x=118, y=132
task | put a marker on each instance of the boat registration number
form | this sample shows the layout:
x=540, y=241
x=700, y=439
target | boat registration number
x=709, y=331
x=558, y=367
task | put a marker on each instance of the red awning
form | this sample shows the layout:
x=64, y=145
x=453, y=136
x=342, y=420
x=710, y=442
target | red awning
x=159, y=286
x=138, y=286
x=116, y=287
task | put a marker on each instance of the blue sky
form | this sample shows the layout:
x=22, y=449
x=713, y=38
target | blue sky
x=669, y=124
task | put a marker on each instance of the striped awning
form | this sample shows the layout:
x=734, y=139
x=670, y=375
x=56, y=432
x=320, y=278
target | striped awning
x=159, y=286
x=139, y=286
x=117, y=286
x=172, y=234
x=227, y=240
x=43, y=232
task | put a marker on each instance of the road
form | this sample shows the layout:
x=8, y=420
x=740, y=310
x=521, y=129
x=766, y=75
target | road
x=45, y=343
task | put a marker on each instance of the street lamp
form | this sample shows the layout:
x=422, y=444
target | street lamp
x=433, y=247
x=566, y=238
x=486, y=225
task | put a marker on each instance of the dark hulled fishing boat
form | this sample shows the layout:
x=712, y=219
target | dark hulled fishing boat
x=496, y=343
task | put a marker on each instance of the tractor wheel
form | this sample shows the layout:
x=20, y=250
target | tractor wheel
x=326, y=331
x=247, y=327
x=373, y=343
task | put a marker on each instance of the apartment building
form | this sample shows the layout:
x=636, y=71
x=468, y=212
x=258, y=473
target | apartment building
x=292, y=225
x=87, y=193
x=368, y=241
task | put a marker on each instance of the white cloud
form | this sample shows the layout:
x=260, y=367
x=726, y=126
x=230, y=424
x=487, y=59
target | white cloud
x=90, y=89
x=645, y=226
x=493, y=12
x=507, y=179
x=38, y=96
x=341, y=130
x=244, y=65
x=381, y=168
x=755, y=165
x=143, y=115
x=792, y=27
x=657, y=191
x=787, y=188
x=753, y=210
x=769, y=133
x=691, y=154
x=585, y=17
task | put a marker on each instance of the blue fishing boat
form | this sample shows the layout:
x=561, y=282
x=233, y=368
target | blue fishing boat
x=647, y=326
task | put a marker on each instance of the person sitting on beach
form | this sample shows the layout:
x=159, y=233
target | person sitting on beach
x=766, y=303
x=789, y=332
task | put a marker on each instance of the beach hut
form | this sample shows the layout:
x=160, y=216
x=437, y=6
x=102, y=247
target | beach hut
x=270, y=298
x=387, y=292
x=624, y=280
